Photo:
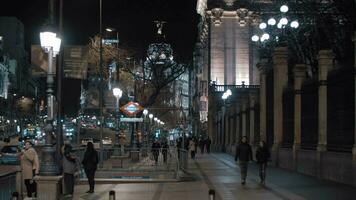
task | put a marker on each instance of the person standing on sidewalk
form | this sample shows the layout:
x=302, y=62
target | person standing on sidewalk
x=90, y=162
x=165, y=149
x=192, y=148
x=156, y=147
x=244, y=155
x=262, y=157
x=70, y=169
x=30, y=167
x=207, y=144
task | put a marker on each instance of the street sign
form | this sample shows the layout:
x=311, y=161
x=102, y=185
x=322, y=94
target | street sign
x=127, y=119
x=131, y=108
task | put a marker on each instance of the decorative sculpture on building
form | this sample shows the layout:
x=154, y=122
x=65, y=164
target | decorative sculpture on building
x=216, y=16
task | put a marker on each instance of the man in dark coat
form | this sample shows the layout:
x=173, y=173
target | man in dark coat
x=244, y=154
x=156, y=147
x=208, y=143
x=90, y=162
x=262, y=157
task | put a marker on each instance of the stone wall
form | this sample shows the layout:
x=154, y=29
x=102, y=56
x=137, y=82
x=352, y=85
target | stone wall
x=307, y=163
x=286, y=158
x=337, y=167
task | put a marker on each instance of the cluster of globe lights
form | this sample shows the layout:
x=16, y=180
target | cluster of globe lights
x=158, y=121
x=282, y=23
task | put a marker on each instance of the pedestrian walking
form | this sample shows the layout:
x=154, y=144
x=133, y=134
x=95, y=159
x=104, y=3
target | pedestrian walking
x=201, y=145
x=208, y=143
x=244, y=155
x=90, y=162
x=192, y=148
x=30, y=167
x=70, y=170
x=262, y=157
x=155, y=150
x=165, y=149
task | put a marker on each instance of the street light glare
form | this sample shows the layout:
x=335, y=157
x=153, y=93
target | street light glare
x=145, y=112
x=46, y=39
x=56, y=45
x=294, y=24
x=272, y=22
x=109, y=29
x=279, y=25
x=264, y=37
x=283, y=21
x=284, y=8
x=150, y=116
x=228, y=92
x=255, y=38
x=117, y=92
x=263, y=25
x=224, y=96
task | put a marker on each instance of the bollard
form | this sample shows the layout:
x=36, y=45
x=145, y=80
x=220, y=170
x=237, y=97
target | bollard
x=112, y=195
x=211, y=194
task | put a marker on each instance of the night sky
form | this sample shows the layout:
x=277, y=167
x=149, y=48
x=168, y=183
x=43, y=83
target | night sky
x=132, y=18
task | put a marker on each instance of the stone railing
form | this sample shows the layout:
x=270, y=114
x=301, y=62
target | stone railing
x=10, y=181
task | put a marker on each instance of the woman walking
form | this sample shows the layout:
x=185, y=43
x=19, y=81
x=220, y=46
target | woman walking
x=70, y=167
x=192, y=148
x=90, y=162
x=30, y=167
x=262, y=157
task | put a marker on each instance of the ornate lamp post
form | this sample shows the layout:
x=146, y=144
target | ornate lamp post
x=272, y=29
x=145, y=113
x=51, y=45
x=226, y=95
x=118, y=94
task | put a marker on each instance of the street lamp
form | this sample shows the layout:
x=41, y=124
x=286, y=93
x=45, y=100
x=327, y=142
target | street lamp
x=118, y=94
x=226, y=95
x=274, y=26
x=51, y=45
x=145, y=112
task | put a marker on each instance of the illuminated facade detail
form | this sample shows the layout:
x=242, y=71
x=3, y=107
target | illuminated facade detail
x=231, y=52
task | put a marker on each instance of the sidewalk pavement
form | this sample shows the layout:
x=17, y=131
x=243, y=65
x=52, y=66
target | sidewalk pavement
x=220, y=172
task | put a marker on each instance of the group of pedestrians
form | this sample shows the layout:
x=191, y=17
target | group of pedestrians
x=70, y=167
x=156, y=148
x=244, y=155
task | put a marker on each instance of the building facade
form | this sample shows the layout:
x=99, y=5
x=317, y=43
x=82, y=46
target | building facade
x=307, y=121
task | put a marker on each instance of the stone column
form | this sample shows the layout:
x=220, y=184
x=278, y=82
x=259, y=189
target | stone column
x=325, y=65
x=219, y=130
x=262, y=67
x=299, y=73
x=244, y=121
x=280, y=78
x=238, y=116
x=223, y=121
x=325, y=59
x=354, y=148
x=232, y=125
x=253, y=99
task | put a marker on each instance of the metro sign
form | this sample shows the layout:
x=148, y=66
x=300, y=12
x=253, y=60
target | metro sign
x=131, y=108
